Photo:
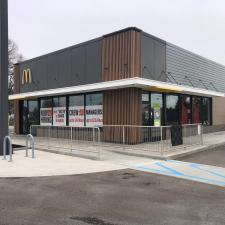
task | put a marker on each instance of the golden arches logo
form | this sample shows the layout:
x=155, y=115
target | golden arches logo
x=26, y=76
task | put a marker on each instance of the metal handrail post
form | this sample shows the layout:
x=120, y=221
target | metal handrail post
x=201, y=134
x=31, y=138
x=161, y=140
x=93, y=134
x=98, y=140
x=48, y=136
x=71, y=139
x=27, y=146
x=10, y=148
x=4, y=148
x=123, y=135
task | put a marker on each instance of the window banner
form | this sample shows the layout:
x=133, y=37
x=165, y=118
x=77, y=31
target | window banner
x=45, y=116
x=94, y=115
x=76, y=116
x=59, y=116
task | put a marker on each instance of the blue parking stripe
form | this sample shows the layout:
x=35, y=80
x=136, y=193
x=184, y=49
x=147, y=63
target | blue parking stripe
x=171, y=172
x=199, y=167
x=208, y=171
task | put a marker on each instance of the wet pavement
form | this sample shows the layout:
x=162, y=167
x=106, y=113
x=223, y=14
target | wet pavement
x=214, y=157
x=122, y=197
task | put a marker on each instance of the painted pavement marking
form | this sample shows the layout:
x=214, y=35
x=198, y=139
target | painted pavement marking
x=190, y=171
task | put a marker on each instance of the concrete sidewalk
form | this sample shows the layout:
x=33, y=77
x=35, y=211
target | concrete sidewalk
x=49, y=164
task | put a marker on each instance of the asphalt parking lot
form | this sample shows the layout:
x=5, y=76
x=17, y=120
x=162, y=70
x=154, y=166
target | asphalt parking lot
x=122, y=197
x=214, y=157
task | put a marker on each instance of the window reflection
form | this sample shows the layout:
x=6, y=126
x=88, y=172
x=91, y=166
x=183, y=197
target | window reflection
x=206, y=111
x=196, y=110
x=185, y=109
x=172, y=107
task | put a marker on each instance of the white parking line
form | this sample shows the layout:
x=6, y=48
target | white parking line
x=190, y=171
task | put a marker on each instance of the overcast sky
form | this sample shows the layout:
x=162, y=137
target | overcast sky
x=42, y=26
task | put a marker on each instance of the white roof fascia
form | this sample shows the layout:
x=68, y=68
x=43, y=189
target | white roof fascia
x=116, y=84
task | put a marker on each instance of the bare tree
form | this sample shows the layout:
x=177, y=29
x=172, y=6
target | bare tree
x=14, y=57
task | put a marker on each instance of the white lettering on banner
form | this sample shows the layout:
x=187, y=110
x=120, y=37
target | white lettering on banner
x=59, y=116
x=94, y=115
x=76, y=116
x=46, y=116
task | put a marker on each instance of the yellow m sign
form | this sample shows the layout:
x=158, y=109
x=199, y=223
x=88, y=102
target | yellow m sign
x=26, y=76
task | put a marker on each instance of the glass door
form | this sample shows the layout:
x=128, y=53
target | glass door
x=25, y=117
x=30, y=115
x=33, y=116
x=156, y=109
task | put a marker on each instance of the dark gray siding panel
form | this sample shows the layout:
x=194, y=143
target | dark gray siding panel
x=59, y=70
x=153, y=58
x=78, y=65
x=190, y=69
x=40, y=75
x=93, y=62
x=73, y=66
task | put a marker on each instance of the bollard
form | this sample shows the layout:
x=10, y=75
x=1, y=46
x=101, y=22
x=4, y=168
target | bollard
x=10, y=148
x=31, y=138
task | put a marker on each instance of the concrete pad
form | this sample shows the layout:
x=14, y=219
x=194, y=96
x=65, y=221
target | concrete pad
x=49, y=164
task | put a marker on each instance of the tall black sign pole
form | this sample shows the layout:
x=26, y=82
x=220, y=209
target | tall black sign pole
x=3, y=71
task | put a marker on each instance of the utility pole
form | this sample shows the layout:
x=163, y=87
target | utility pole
x=3, y=71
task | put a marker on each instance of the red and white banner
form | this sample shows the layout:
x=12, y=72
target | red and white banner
x=59, y=116
x=76, y=116
x=45, y=116
x=94, y=115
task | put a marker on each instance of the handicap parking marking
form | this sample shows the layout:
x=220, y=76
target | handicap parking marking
x=217, y=171
x=190, y=171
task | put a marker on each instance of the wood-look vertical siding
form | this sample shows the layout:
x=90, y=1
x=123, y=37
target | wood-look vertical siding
x=121, y=55
x=16, y=102
x=122, y=107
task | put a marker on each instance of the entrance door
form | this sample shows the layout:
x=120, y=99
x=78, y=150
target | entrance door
x=156, y=109
x=30, y=115
x=156, y=114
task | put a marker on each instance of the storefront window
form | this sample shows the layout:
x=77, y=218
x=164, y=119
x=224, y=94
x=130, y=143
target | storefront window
x=94, y=110
x=59, y=111
x=33, y=112
x=172, y=109
x=196, y=110
x=185, y=109
x=145, y=109
x=46, y=111
x=156, y=109
x=206, y=111
x=25, y=117
x=76, y=111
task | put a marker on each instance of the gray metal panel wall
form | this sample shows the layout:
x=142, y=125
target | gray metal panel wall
x=153, y=57
x=181, y=63
x=77, y=65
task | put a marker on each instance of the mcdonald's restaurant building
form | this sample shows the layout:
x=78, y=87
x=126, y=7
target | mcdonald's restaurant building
x=128, y=77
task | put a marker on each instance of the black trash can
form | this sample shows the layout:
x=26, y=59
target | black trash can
x=176, y=135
